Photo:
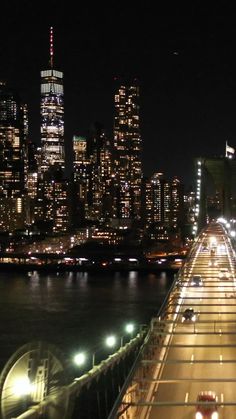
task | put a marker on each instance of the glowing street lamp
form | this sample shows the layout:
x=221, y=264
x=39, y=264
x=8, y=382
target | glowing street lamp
x=129, y=328
x=110, y=341
x=79, y=359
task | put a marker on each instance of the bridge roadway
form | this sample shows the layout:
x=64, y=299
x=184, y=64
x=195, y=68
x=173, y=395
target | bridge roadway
x=197, y=356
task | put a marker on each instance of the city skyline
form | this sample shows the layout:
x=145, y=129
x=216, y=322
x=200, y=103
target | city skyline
x=184, y=67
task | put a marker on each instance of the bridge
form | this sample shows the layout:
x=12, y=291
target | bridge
x=189, y=348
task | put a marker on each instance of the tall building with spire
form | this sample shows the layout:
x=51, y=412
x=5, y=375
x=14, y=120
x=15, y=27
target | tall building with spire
x=51, y=206
x=127, y=147
x=52, y=116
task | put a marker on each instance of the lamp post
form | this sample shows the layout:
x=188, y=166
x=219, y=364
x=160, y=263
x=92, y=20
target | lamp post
x=79, y=359
x=110, y=341
x=129, y=329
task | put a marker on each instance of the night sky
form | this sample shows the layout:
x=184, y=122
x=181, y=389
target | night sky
x=185, y=62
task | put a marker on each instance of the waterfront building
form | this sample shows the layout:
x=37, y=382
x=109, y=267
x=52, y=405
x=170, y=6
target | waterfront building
x=127, y=148
x=163, y=205
x=52, y=207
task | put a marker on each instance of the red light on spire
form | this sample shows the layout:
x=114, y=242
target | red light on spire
x=51, y=47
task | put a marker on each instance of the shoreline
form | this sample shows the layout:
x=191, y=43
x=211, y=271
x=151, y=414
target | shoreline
x=6, y=267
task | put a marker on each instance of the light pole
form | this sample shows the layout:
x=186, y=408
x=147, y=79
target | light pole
x=129, y=329
x=93, y=358
x=110, y=341
x=79, y=359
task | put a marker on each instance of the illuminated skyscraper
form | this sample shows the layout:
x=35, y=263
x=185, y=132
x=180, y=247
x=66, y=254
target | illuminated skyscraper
x=177, y=202
x=164, y=201
x=127, y=145
x=100, y=198
x=12, y=143
x=93, y=175
x=13, y=132
x=51, y=206
x=81, y=176
x=52, y=116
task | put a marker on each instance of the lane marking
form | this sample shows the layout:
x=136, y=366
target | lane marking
x=222, y=398
x=186, y=398
x=192, y=358
x=221, y=359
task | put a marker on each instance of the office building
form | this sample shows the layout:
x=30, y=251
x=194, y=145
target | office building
x=13, y=158
x=127, y=148
x=52, y=116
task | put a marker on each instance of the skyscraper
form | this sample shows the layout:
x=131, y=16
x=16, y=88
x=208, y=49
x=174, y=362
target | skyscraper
x=164, y=201
x=13, y=132
x=81, y=176
x=51, y=206
x=52, y=116
x=127, y=147
x=100, y=197
x=12, y=143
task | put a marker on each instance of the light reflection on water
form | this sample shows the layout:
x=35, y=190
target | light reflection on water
x=74, y=309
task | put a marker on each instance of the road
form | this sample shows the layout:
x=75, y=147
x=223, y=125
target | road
x=199, y=355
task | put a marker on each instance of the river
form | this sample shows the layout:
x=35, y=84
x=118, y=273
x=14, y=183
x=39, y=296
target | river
x=75, y=311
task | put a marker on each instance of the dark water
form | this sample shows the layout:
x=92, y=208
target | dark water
x=74, y=310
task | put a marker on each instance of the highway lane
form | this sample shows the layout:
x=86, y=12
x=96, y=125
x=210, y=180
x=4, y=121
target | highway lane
x=206, y=340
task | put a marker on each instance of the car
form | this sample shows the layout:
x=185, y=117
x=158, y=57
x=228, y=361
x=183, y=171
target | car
x=224, y=274
x=189, y=315
x=196, y=281
x=204, y=410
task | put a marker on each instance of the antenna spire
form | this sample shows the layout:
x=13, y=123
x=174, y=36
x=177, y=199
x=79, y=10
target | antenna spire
x=51, y=47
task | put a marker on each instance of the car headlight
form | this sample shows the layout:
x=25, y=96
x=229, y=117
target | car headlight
x=194, y=318
x=214, y=415
x=198, y=415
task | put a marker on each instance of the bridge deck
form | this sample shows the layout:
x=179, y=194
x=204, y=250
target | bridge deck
x=184, y=357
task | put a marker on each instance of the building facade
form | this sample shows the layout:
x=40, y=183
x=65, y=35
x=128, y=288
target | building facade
x=13, y=158
x=127, y=148
x=52, y=195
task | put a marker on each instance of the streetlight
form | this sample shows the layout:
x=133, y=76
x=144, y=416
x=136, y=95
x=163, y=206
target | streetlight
x=129, y=328
x=110, y=341
x=79, y=359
